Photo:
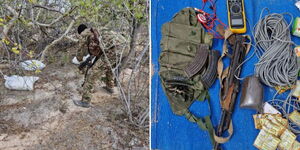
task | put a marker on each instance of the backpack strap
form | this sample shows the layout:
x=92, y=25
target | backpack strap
x=203, y=123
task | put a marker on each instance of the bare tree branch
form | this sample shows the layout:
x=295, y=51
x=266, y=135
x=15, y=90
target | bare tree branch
x=56, y=20
x=9, y=25
x=72, y=39
x=47, y=8
x=131, y=45
x=57, y=40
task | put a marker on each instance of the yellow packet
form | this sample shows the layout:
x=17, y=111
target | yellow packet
x=283, y=121
x=287, y=140
x=275, y=119
x=272, y=128
x=271, y=143
x=295, y=117
x=260, y=139
x=296, y=145
x=257, y=121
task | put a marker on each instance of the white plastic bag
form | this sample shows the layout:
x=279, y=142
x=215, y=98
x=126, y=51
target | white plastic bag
x=20, y=83
x=32, y=65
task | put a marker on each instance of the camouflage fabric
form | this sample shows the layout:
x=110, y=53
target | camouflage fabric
x=100, y=68
x=83, y=42
x=182, y=38
x=100, y=71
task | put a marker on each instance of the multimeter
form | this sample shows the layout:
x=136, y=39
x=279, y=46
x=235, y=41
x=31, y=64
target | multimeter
x=236, y=16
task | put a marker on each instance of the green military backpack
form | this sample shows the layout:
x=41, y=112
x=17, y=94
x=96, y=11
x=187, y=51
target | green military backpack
x=187, y=66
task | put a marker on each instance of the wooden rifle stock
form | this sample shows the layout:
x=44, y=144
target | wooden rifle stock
x=231, y=86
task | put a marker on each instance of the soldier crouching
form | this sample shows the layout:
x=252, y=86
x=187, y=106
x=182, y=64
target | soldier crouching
x=89, y=44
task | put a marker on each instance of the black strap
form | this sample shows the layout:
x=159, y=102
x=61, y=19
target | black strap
x=89, y=64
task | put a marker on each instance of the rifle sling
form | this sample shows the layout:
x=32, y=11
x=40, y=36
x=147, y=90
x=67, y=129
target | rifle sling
x=222, y=74
x=220, y=139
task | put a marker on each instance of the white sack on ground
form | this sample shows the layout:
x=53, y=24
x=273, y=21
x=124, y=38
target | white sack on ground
x=16, y=82
x=32, y=65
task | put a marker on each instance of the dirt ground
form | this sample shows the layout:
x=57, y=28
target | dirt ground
x=46, y=118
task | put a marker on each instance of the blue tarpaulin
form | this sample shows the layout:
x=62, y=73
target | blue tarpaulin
x=171, y=132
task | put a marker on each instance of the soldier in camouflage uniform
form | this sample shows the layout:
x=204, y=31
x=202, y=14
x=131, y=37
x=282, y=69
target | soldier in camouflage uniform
x=88, y=46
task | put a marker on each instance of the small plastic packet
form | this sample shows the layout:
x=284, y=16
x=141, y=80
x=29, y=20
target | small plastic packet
x=295, y=117
x=272, y=128
x=287, y=140
x=296, y=27
x=296, y=145
x=266, y=141
x=271, y=143
x=257, y=123
x=260, y=139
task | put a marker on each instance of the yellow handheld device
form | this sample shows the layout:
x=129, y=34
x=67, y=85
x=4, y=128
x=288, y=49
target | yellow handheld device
x=236, y=16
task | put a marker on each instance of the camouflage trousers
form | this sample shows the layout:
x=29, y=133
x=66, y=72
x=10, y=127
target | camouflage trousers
x=100, y=71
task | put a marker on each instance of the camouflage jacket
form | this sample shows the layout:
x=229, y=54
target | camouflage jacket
x=88, y=44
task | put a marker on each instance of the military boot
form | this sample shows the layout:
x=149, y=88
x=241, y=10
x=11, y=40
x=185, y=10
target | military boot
x=109, y=90
x=82, y=103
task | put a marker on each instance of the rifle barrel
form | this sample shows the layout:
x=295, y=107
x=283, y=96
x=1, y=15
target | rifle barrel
x=221, y=126
x=230, y=80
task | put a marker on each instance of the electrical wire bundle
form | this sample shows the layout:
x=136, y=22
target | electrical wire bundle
x=277, y=64
x=286, y=107
x=210, y=20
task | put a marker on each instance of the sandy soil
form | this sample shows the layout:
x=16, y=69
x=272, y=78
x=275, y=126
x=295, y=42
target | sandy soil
x=46, y=118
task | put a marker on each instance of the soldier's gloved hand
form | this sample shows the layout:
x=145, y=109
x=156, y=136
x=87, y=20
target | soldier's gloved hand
x=77, y=61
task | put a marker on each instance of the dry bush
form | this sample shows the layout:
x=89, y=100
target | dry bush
x=35, y=29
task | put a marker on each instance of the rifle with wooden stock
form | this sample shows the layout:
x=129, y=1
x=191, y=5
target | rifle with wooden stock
x=230, y=87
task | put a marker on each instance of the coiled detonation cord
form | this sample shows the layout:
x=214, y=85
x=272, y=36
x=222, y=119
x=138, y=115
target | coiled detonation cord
x=277, y=65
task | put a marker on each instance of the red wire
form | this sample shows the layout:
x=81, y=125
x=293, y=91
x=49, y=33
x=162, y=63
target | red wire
x=211, y=19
